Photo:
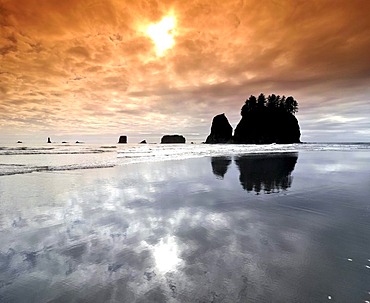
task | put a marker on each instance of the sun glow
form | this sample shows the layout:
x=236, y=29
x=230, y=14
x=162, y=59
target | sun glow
x=162, y=34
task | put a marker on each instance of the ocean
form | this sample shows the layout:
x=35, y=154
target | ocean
x=185, y=223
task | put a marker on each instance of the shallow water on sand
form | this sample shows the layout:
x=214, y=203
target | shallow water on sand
x=280, y=227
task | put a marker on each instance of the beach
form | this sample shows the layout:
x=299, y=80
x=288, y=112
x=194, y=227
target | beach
x=271, y=223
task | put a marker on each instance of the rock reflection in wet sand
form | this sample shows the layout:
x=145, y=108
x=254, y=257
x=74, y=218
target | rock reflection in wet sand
x=259, y=172
x=220, y=165
x=266, y=173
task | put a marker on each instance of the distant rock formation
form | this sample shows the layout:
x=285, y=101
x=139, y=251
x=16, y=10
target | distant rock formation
x=19, y=142
x=79, y=142
x=267, y=125
x=221, y=130
x=49, y=141
x=143, y=142
x=173, y=139
x=122, y=139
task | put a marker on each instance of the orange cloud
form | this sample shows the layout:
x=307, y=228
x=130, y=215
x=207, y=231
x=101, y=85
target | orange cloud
x=89, y=63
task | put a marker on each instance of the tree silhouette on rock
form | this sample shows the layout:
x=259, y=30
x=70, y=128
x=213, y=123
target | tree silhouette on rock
x=291, y=105
x=261, y=100
x=288, y=104
x=268, y=120
x=264, y=121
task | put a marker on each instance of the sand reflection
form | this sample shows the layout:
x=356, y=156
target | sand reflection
x=173, y=232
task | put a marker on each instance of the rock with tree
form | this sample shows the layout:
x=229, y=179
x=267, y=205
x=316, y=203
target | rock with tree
x=221, y=130
x=268, y=120
x=264, y=120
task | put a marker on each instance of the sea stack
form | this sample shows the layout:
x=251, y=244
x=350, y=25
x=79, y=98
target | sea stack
x=265, y=120
x=49, y=141
x=266, y=126
x=143, y=142
x=173, y=139
x=268, y=120
x=221, y=130
x=122, y=139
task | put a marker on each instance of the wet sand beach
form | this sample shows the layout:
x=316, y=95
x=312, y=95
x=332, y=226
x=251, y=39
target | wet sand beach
x=273, y=227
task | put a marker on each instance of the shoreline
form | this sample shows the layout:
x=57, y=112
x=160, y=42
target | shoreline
x=37, y=158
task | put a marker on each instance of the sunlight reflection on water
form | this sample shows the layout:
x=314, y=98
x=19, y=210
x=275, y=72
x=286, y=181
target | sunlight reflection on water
x=166, y=255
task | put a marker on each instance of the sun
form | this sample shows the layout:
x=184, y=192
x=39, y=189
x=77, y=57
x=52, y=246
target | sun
x=162, y=34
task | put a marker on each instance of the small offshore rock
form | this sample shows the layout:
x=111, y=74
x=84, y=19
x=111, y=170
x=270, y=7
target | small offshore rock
x=173, y=139
x=122, y=140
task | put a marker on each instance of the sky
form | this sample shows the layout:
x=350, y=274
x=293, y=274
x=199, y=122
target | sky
x=92, y=70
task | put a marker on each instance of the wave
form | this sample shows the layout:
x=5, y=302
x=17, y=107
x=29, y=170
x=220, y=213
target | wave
x=177, y=152
x=16, y=169
x=9, y=151
x=110, y=156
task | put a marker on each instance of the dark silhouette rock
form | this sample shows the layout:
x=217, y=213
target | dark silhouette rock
x=79, y=142
x=64, y=142
x=173, y=139
x=264, y=120
x=267, y=125
x=19, y=142
x=221, y=130
x=122, y=139
x=267, y=173
x=220, y=165
x=143, y=142
x=49, y=141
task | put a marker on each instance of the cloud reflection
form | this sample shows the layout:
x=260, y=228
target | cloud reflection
x=172, y=232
